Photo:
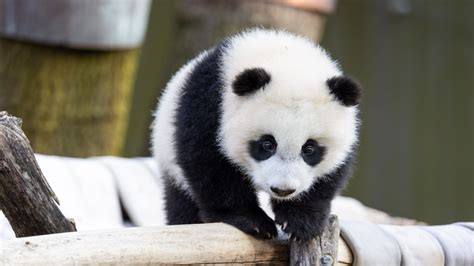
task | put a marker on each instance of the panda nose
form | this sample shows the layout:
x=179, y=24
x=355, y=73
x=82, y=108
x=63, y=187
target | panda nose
x=282, y=192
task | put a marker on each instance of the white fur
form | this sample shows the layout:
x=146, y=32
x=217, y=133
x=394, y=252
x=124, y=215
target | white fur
x=163, y=127
x=295, y=106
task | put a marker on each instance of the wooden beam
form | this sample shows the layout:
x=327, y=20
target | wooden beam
x=180, y=244
x=26, y=198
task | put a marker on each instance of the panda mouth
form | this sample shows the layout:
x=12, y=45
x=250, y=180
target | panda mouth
x=282, y=194
x=275, y=196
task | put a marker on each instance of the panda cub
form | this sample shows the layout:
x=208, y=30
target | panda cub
x=262, y=111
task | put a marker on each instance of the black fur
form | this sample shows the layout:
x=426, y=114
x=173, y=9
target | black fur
x=220, y=192
x=346, y=90
x=219, y=189
x=306, y=217
x=316, y=157
x=250, y=80
x=258, y=151
x=180, y=208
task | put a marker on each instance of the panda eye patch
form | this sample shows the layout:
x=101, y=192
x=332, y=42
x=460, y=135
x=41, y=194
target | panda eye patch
x=263, y=148
x=312, y=152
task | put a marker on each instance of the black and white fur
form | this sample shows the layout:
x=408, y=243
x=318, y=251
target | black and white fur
x=262, y=111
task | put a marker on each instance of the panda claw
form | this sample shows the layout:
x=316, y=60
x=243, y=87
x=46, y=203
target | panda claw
x=256, y=230
x=285, y=224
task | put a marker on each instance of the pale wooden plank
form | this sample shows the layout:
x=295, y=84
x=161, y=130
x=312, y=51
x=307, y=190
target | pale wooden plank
x=185, y=244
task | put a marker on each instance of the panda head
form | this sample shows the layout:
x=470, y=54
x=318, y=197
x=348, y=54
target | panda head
x=289, y=114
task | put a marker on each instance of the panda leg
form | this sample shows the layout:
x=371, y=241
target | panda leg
x=223, y=195
x=306, y=217
x=180, y=208
x=302, y=219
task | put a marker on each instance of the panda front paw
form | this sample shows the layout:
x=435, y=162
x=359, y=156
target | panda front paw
x=255, y=222
x=301, y=226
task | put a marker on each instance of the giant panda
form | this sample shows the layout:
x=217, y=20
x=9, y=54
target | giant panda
x=264, y=110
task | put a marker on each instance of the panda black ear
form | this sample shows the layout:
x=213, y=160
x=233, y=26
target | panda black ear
x=250, y=80
x=346, y=90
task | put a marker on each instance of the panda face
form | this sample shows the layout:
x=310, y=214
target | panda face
x=280, y=169
x=289, y=115
x=285, y=147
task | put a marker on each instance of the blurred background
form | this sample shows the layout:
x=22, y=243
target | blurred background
x=84, y=96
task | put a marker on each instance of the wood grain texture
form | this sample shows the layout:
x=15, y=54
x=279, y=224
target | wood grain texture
x=320, y=251
x=25, y=196
x=180, y=244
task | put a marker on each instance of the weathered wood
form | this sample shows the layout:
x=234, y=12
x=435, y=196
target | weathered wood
x=25, y=196
x=323, y=250
x=181, y=244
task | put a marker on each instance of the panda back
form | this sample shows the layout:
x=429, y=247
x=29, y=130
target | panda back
x=164, y=124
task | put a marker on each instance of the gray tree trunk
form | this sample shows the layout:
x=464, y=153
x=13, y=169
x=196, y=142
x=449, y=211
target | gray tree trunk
x=26, y=198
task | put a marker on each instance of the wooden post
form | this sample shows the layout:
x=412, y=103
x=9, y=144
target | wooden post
x=26, y=198
x=319, y=251
x=67, y=68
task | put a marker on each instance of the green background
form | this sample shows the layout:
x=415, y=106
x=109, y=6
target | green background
x=415, y=61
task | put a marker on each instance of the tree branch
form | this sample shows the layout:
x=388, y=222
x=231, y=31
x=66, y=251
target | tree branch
x=26, y=198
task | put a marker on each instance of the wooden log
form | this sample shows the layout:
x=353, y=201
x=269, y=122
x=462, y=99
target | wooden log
x=319, y=251
x=26, y=198
x=180, y=244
